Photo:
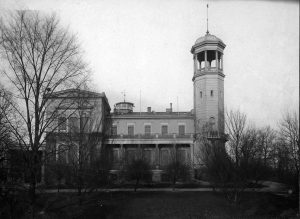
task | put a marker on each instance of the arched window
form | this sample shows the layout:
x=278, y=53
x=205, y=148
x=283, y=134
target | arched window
x=212, y=120
x=62, y=122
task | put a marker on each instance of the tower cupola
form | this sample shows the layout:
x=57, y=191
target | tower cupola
x=208, y=55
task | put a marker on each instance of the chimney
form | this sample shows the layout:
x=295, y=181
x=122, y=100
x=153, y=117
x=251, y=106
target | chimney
x=148, y=109
x=169, y=110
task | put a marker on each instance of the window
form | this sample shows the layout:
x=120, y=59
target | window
x=165, y=157
x=212, y=120
x=130, y=155
x=116, y=156
x=62, y=123
x=181, y=129
x=73, y=125
x=131, y=130
x=147, y=129
x=62, y=153
x=149, y=156
x=73, y=153
x=114, y=130
x=164, y=129
x=211, y=93
x=182, y=156
x=200, y=94
x=85, y=124
x=212, y=123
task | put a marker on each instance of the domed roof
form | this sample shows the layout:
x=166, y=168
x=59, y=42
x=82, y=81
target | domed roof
x=208, y=38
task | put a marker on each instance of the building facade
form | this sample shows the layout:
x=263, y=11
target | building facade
x=157, y=137
x=79, y=126
x=162, y=137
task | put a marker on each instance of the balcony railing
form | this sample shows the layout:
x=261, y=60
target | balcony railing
x=154, y=136
x=213, y=135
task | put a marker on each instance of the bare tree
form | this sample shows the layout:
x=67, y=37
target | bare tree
x=177, y=169
x=5, y=132
x=11, y=164
x=232, y=167
x=138, y=169
x=266, y=140
x=235, y=127
x=40, y=57
x=289, y=135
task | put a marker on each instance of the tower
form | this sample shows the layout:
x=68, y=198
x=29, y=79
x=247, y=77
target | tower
x=208, y=82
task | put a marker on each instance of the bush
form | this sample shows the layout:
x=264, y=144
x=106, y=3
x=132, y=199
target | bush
x=138, y=170
x=177, y=171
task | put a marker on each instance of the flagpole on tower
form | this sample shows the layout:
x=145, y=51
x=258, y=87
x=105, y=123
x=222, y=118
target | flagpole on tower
x=207, y=32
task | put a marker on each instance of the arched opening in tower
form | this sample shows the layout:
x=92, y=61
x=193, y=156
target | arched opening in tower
x=211, y=59
x=201, y=60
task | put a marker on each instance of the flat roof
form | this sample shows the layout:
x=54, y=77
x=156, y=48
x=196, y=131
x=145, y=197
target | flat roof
x=153, y=115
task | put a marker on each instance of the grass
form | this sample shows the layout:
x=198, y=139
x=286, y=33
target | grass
x=150, y=185
x=190, y=205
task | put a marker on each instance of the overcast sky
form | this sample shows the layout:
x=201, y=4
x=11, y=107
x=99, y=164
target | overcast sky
x=135, y=45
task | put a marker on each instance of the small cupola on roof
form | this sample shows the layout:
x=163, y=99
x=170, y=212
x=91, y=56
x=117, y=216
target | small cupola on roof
x=123, y=107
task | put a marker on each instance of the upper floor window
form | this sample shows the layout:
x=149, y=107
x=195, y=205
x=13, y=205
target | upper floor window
x=131, y=130
x=164, y=129
x=211, y=93
x=85, y=124
x=73, y=124
x=200, y=94
x=212, y=120
x=62, y=123
x=147, y=129
x=181, y=129
x=114, y=130
x=62, y=152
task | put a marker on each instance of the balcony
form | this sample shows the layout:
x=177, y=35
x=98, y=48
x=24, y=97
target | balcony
x=154, y=136
x=214, y=135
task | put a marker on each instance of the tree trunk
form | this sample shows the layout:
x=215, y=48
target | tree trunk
x=32, y=199
x=136, y=184
x=32, y=188
x=298, y=193
x=79, y=195
x=174, y=182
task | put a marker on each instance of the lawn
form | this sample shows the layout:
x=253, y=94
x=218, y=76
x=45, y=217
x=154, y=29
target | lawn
x=192, y=205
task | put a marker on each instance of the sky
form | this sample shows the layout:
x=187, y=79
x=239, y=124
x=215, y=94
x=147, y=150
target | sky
x=143, y=47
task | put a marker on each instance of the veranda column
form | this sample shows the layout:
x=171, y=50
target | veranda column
x=139, y=152
x=192, y=161
x=156, y=176
x=122, y=154
x=173, y=153
x=157, y=156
